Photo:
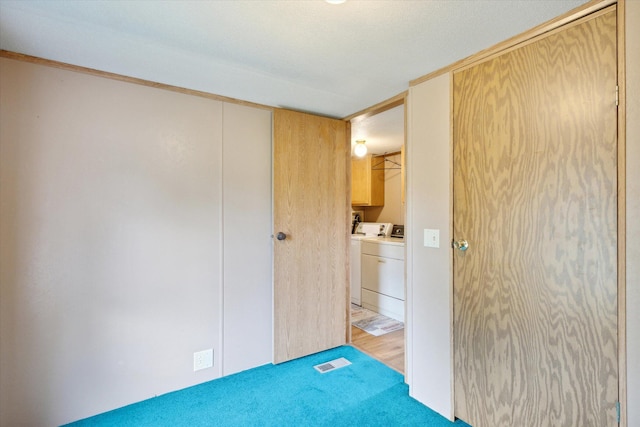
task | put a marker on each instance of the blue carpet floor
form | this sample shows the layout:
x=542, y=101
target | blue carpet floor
x=366, y=393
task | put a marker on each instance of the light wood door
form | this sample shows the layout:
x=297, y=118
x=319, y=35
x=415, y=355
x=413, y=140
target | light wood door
x=311, y=206
x=535, y=296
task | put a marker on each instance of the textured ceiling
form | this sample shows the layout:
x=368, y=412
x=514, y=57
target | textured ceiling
x=308, y=55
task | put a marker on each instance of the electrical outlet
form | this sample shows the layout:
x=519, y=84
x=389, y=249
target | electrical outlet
x=202, y=359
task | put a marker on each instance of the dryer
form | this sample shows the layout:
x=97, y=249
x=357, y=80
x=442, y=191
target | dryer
x=364, y=230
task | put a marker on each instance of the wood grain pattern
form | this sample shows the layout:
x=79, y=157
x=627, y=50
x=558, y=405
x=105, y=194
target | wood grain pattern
x=311, y=205
x=622, y=213
x=387, y=348
x=367, y=181
x=535, y=296
x=559, y=22
x=361, y=181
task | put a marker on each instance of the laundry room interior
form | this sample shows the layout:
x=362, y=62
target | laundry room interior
x=377, y=239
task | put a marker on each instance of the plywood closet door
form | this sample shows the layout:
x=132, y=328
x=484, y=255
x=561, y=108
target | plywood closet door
x=535, y=195
x=311, y=206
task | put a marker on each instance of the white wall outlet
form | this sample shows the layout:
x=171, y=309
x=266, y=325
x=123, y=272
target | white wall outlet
x=202, y=359
x=431, y=238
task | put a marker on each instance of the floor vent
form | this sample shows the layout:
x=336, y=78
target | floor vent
x=323, y=368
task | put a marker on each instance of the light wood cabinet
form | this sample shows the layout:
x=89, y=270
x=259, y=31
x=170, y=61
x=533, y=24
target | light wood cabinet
x=367, y=181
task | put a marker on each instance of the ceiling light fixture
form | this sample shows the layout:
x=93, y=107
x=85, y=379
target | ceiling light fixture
x=360, y=149
x=335, y=1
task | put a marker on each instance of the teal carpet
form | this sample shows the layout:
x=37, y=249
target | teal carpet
x=365, y=393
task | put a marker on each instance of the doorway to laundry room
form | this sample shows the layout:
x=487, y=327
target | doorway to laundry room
x=377, y=285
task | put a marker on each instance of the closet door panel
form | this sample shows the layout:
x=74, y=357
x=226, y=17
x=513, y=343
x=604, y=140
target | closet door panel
x=535, y=294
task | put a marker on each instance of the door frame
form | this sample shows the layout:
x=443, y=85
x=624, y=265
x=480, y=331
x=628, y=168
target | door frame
x=309, y=309
x=555, y=24
x=388, y=104
x=607, y=295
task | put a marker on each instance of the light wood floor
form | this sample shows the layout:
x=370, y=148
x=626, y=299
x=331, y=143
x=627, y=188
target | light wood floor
x=387, y=348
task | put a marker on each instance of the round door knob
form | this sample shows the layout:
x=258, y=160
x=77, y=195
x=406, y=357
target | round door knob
x=281, y=236
x=461, y=245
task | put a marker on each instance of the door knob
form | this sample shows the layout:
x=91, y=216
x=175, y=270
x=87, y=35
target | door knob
x=461, y=245
x=281, y=236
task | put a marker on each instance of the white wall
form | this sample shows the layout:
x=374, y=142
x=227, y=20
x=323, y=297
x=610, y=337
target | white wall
x=247, y=238
x=393, y=209
x=112, y=238
x=633, y=211
x=429, y=295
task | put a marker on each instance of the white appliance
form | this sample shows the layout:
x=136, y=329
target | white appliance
x=382, y=279
x=373, y=229
x=356, y=241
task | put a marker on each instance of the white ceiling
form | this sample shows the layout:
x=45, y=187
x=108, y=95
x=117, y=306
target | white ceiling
x=383, y=133
x=307, y=55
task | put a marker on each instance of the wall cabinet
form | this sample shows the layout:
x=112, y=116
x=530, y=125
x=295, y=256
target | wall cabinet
x=367, y=181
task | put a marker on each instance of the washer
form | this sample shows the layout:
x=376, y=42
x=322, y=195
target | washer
x=355, y=255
